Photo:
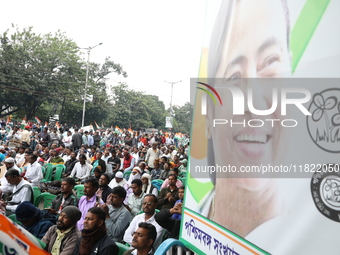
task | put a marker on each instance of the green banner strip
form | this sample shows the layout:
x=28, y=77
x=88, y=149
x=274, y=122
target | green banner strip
x=305, y=27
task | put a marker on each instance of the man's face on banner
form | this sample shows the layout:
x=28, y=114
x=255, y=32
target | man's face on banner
x=256, y=48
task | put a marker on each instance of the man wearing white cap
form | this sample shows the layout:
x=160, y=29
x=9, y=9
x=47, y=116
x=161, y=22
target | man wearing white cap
x=2, y=153
x=5, y=187
x=118, y=180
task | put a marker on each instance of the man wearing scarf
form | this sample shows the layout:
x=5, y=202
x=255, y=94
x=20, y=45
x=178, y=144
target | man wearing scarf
x=94, y=239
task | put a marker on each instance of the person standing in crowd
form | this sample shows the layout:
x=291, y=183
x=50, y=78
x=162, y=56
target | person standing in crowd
x=76, y=140
x=94, y=238
x=152, y=154
x=62, y=237
x=67, y=140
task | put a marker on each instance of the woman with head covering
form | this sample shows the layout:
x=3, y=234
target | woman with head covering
x=148, y=187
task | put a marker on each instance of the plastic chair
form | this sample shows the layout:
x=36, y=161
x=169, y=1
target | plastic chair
x=122, y=248
x=13, y=217
x=59, y=170
x=47, y=199
x=79, y=190
x=127, y=175
x=36, y=193
x=48, y=173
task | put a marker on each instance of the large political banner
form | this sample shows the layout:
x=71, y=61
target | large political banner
x=15, y=240
x=265, y=142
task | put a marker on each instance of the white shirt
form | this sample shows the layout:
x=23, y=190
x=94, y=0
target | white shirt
x=34, y=173
x=23, y=195
x=113, y=183
x=81, y=171
x=134, y=226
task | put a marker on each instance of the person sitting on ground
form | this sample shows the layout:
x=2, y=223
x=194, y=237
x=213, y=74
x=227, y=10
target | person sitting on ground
x=117, y=216
x=94, y=238
x=104, y=189
x=34, y=221
x=149, y=206
x=143, y=239
x=66, y=198
x=62, y=238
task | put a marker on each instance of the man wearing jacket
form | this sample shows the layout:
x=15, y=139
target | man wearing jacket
x=62, y=238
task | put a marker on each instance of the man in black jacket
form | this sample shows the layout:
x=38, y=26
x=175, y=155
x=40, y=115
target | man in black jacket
x=94, y=238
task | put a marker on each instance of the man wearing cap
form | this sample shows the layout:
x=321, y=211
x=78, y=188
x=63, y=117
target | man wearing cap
x=5, y=187
x=2, y=153
x=22, y=190
x=118, y=180
x=34, y=221
x=61, y=238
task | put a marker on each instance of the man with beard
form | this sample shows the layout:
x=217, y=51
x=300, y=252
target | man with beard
x=71, y=163
x=66, y=198
x=94, y=239
x=118, y=180
x=104, y=189
x=61, y=238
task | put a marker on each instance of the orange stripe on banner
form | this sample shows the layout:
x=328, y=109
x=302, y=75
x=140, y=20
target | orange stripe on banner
x=221, y=232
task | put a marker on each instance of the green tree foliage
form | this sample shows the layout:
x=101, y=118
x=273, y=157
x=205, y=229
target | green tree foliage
x=44, y=75
x=135, y=109
x=183, y=118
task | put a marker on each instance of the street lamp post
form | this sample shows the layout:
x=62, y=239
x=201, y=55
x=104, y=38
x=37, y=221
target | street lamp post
x=172, y=88
x=86, y=79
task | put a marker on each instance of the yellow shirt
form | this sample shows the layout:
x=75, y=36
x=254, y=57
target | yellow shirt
x=60, y=236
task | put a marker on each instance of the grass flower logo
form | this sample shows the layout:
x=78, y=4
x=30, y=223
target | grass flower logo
x=324, y=124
